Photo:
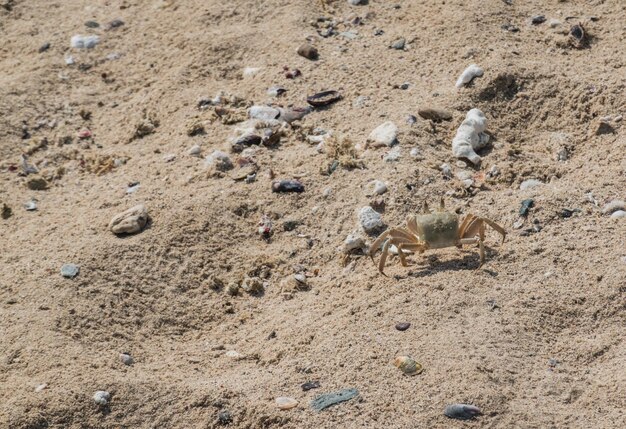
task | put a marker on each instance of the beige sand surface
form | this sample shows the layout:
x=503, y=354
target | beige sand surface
x=535, y=337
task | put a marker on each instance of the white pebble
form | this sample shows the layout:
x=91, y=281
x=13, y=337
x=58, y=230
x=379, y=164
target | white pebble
x=84, y=42
x=353, y=242
x=69, y=60
x=40, y=387
x=370, y=219
x=251, y=71
x=194, y=150
x=378, y=187
x=415, y=152
x=446, y=170
x=327, y=192
x=468, y=74
x=385, y=134
x=220, y=159
x=126, y=359
x=393, y=155
x=102, y=397
x=263, y=113
x=619, y=214
x=470, y=136
x=234, y=354
x=529, y=184
x=553, y=23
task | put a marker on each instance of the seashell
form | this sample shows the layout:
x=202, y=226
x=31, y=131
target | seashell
x=462, y=411
x=285, y=403
x=408, y=365
x=287, y=186
x=323, y=98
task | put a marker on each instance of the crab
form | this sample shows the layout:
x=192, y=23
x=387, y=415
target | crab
x=434, y=230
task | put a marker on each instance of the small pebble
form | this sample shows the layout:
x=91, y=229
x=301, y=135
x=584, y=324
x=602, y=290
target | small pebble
x=307, y=51
x=194, y=150
x=102, y=397
x=526, y=206
x=218, y=160
x=446, y=170
x=416, y=153
x=92, y=24
x=287, y=186
x=233, y=354
x=384, y=135
x=393, y=155
x=126, y=359
x=435, y=114
x=31, y=205
x=285, y=403
x=70, y=270
x=40, y=387
x=353, y=242
x=133, y=187
x=115, y=24
x=310, y=385
x=462, y=411
x=411, y=119
x=44, y=47
x=370, y=219
x=529, y=184
x=37, y=184
x=356, y=2
x=403, y=326
x=130, y=221
x=84, y=42
x=538, y=19
x=554, y=23
x=300, y=278
x=69, y=60
x=378, y=187
x=398, y=44
x=263, y=113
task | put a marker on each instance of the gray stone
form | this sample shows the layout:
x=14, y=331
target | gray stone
x=70, y=270
x=385, y=134
x=370, y=219
x=322, y=402
x=399, y=44
x=529, y=184
x=102, y=397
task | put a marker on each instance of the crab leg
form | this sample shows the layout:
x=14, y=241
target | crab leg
x=383, y=257
x=496, y=227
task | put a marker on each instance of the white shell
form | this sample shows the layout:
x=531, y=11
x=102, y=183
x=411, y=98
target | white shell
x=470, y=136
x=285, y=403
x=468, y=74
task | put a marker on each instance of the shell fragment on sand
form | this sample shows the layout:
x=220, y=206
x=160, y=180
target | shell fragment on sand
x=470, y=136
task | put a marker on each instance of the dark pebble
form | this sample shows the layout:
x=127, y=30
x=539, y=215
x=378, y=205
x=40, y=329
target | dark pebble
x=462, y=411
x=92, y=24
x=44, y=47
x=116, y=23
x=434, y=114
x=538, y=19
x=310, y=385
x=403, y=326
x=307, y=51
x=287, y=186
x=510, y=27
x=526, y=206
x=565, y=213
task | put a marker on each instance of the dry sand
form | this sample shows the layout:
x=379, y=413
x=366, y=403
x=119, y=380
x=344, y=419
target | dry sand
x=535, y=337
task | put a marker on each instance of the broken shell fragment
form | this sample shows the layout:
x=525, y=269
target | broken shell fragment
x=408, y=365
x=285, y=403
x=462, y=411
x=287, y=186
x=323, y=98
x=469, y=74
x=470, y=136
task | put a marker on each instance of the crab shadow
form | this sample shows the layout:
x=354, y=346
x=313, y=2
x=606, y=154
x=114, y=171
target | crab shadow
x=465, y=262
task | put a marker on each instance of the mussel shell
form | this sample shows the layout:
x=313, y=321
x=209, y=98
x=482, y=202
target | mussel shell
x=323, y=98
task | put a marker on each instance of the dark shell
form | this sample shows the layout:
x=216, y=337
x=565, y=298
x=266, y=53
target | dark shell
x=462, y=411
x=287, y=186
x=323, y=98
